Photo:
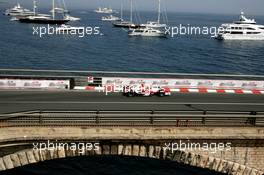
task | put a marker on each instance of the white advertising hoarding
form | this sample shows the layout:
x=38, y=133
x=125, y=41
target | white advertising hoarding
x=34, y=84
x=187, y=83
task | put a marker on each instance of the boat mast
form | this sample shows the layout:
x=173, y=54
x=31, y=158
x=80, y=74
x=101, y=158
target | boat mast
x=159, y=13
x=34, y=7
x=53, y=9
x=131, y=13
x=121, y=13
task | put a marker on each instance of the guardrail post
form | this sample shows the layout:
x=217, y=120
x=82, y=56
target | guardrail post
x=40, y=118
x=97, y=117
x=152, y=118
x=252, y=120
x=204, y=118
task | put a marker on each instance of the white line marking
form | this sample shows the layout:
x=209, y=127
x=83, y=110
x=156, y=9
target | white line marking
x=193, y=90
x=123, y=102
x=230, y=91
x=247, y=92
x=211, y=91
x=79, y=88
x=175, y=90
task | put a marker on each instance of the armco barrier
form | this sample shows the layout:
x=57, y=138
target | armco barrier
x=117, y=84
x=34, y=84
x=186, y=83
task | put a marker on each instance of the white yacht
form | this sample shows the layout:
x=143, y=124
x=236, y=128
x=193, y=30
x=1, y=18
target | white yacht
x=42, y=18
x=111, y=18
x=59, y=10
x=244, y=29
x=66, y=29
x=155, y=24
x=71, y=18
x=18, y=10
x=147, y=31
x=104, y=10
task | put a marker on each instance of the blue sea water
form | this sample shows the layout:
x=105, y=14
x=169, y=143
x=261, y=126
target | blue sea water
x=116, y=51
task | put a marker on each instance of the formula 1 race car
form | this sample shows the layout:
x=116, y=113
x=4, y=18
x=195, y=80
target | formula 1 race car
x=146, y=91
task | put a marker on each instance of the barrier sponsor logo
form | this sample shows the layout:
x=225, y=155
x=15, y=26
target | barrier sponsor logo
x=90, y=79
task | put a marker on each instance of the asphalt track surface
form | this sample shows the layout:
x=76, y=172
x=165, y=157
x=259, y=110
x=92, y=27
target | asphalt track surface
x=15, y=101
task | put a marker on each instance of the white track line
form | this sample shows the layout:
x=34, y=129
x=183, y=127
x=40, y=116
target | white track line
x=122, y=102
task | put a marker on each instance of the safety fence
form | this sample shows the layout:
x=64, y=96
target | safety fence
x=134, y=118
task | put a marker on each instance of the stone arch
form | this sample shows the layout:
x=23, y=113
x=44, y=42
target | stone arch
x=30, y=156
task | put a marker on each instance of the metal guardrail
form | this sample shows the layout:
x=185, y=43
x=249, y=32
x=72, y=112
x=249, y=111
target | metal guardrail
x=134, y=118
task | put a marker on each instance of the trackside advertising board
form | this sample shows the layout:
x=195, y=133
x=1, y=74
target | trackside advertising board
x=186, y=83
x=33, y=84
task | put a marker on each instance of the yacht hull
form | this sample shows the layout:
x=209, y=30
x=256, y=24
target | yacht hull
x=241, y=37
x=40, y=21
x=147, y=35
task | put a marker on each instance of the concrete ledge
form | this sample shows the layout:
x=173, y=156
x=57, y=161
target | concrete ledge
x=138, y=133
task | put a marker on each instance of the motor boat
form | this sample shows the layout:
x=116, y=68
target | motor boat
x=18, y=10
x=146, y=32
x=71, y=18
x=244, y=29
x=104, y=10
x=59, y=10
x=111, y=18
x=153, y=24
x=66, y=29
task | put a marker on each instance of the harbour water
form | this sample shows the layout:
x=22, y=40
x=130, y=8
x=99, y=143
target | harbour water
x=116, y=51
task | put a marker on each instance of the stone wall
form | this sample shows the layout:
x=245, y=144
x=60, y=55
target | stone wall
x=152, y=151
x=247, y=143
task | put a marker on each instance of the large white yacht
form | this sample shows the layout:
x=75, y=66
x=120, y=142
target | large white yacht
x=244, y=29
x=42, y=18
x=18, y=10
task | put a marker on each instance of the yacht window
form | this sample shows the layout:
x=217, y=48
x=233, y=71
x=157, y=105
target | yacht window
x=262, y=28
x=236, y=32
x=250, y=28
x=253, y=32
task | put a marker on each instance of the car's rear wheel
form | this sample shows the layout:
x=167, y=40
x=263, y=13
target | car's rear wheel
x=161, y=94
x=130, y=94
